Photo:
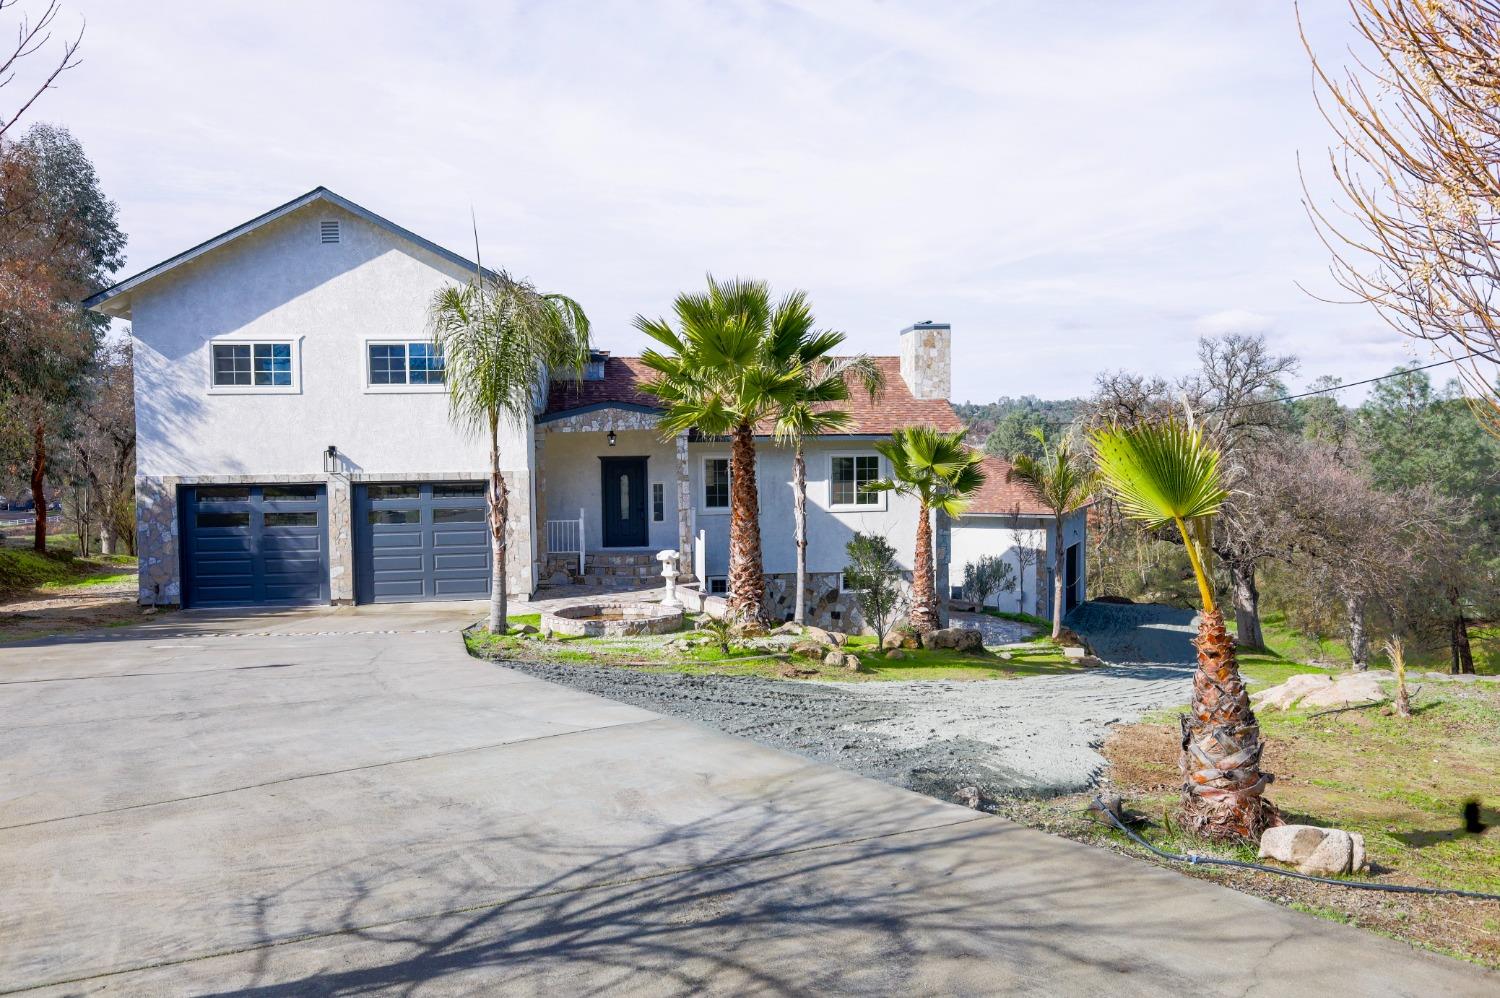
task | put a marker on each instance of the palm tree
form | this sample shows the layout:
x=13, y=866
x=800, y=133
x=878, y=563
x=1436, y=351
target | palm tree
x=825, y=380
x=1163, y=474
x=733, y=361
x=941, y=473
x=1062, y=483
x=500, y=338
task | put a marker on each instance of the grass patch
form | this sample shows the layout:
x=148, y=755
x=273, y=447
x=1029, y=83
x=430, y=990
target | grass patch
x=1289, y=644
x=1401, y=783
x=767, y=659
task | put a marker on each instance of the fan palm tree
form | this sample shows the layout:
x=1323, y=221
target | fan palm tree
x=1061, y=482
x=500, y=338
x=942, y=474
x=826, y=381
x=734, y=360
x=1161, y=474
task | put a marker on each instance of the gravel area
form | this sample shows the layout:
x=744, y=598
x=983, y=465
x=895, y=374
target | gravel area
x=1023, y=736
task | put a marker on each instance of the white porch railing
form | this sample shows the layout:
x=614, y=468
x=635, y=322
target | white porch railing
x=700, y=559
x=566, y=537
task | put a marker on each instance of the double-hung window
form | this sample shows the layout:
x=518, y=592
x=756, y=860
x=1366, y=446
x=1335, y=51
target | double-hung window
x=848, y=476
x=716, y=484
x=413, y=363
x=252, y=365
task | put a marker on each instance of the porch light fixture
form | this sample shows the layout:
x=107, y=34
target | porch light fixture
x=611, y=438
x=331, y=459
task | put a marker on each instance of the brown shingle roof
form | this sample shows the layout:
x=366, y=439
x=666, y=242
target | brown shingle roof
x=999, y=496
x=894, y=407
x=620, y=385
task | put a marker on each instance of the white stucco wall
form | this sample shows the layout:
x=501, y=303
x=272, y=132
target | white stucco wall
x=279, y=282
x=828, y=532
x=975, y=537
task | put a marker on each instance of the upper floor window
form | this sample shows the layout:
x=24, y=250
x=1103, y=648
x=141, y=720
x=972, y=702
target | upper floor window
x=716, y=483
x=414, y=363
x=252, y=365
x=848, y=476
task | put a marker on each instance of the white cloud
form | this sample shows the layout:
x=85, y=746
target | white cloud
x=1082, y=189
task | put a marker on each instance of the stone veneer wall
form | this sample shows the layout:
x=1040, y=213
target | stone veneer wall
x=927, y=360
x=156, y=541
x=827, y=607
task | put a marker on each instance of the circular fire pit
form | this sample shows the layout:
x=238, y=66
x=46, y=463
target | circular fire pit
x=597, y=620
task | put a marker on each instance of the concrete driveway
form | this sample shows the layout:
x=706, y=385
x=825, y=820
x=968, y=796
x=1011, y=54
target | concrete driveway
x=342, y=802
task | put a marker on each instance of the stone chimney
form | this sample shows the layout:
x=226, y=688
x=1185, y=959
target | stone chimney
x=927, y=359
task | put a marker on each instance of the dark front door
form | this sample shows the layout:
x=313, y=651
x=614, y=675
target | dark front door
x=1070, y=578
x=624, y=501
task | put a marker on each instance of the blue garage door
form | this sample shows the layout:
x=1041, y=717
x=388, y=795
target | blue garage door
x=421, y=541
x=255, y=544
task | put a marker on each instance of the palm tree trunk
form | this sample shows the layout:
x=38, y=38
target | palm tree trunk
x=924, y=593
x=747, y=584
x=499, y=513
x=1222, y=786
x=799, y=501
x=1058, y=567
x=38, y=485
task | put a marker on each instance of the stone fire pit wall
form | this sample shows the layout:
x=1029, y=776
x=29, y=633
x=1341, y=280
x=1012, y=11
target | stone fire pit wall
x=597, y=620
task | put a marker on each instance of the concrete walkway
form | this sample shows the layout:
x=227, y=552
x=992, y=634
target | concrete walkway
x=338, y=802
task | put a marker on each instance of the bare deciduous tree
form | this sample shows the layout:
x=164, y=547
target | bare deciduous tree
x=1418, y=167
x=32, y=35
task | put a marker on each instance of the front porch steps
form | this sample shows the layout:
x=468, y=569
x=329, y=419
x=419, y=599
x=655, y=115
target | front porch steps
x=605, y=569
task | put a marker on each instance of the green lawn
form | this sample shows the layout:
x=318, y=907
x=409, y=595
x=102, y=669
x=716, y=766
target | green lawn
x=23, y=569
x=1289, y=644
x=652, y=654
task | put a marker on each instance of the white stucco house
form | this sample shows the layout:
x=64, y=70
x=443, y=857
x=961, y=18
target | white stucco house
x=294, y=444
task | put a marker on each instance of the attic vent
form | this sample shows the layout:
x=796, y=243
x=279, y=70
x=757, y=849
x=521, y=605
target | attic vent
x=328, y=231
x=593, y=371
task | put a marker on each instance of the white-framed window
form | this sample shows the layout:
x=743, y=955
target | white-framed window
x=658, y=502
x=252, y=366
x=844, y=586
x=404, y=366
x=718, y=585
x=715, y=484
x=848, y=474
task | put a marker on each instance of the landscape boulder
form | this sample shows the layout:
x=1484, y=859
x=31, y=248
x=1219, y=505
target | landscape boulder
x=895, y=653
x=810, y=649
x=1318, y=852
x=822, y=637
x=1067, y=637
x=1315, y=692
x=790, y=627
x=955, y=639
x=834, y=659
x=852, y=663
x=902, y=637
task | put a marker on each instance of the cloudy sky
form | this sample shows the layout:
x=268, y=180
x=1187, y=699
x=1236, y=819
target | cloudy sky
x=1073, y=185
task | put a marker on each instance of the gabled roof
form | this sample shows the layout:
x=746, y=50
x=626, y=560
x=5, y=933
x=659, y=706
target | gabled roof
x=101, y=301
x=997, y=497
x=894, y=407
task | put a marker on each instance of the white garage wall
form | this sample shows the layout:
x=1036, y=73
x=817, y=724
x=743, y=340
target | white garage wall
x=974, y=537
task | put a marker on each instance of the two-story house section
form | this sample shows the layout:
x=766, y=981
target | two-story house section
x=294, y=444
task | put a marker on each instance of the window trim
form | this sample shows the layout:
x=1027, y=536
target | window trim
x=879, y=506
x=702, y=497
x=844, y=590
x=708, y=585
x=403, y=389
x=294, y=342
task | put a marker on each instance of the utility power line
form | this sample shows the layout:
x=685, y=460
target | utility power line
x=1353, y=384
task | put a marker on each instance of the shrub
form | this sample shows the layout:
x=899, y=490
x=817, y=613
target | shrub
x=989, y=575
x=875, y=579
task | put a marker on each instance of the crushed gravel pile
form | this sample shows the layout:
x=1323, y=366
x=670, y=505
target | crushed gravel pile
x=1022, y=736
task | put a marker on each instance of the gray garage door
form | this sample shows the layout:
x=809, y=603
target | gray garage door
x=254, y=544
x=421, y=541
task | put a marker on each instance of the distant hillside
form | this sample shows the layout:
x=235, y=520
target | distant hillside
x=1003, y=426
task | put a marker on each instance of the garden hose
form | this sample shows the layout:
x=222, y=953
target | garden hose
x=1193, y=859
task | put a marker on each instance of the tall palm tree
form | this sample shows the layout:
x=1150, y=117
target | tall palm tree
x=1062, y=483
x=1165, y=473
x=733, y=361
x=500, y=339
x=826, y=380
x=942, y=474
